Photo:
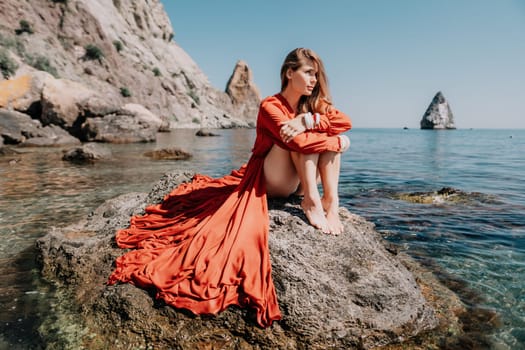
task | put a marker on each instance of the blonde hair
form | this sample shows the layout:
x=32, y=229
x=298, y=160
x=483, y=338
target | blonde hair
x=319, y=101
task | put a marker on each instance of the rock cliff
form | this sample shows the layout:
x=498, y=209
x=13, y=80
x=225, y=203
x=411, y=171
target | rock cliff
x=337, y=292
x=438, y=114
x=122, y=49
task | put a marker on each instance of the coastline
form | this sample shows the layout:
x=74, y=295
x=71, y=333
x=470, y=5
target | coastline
x=451, y=239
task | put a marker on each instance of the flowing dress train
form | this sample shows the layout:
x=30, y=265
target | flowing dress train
x=205, y=247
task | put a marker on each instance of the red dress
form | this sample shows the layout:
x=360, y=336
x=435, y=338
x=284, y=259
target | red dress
x=205, y=247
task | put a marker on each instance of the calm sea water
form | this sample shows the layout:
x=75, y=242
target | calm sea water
x=476, y=240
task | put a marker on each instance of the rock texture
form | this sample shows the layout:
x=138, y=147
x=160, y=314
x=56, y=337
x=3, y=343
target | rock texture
x=71, y=112
x=168, y=154
x=122, y=49
x=19, y=129
x=243, y=92
x=336, y=292
x=87, y=153
x=438, y=114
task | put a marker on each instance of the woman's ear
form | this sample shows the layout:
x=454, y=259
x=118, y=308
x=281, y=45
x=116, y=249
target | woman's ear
x=289, y=73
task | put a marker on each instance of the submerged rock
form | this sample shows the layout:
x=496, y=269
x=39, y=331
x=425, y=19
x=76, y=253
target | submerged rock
x=7, y=151
x=438, y=114
x=204, y=133
x=87, y=153
x=340, y=292
x=444, y=195
x=169, y=154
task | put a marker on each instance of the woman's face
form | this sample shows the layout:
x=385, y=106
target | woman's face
x=304, y=79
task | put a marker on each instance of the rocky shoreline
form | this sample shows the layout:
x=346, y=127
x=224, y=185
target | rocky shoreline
x=350, y=291
x=125, y=51
x=120, y=77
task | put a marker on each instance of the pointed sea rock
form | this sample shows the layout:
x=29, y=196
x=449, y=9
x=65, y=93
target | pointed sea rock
x=243, y=92
x=438, y=114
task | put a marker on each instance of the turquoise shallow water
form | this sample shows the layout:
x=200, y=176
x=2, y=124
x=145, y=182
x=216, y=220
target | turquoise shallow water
x=478, y=241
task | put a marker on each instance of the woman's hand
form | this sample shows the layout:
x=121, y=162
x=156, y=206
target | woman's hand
x=293, y=128
x=345, y=143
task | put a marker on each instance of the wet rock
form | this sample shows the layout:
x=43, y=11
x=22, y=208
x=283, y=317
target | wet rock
x=446, y=191
x=438, y=114
x=204, y=132
x=9, y=155
x=444, y=195
x=87, y=153
x=339, y=292
x=7, y=151
x=14, y=161
x=168, y=154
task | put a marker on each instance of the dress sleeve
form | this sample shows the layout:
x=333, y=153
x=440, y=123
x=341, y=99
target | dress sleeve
x=334, y=122
x=273, y=115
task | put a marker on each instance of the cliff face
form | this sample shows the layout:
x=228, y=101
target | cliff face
x=121, y=48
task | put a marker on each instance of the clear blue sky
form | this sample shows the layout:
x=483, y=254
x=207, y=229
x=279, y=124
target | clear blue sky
x=385, y=59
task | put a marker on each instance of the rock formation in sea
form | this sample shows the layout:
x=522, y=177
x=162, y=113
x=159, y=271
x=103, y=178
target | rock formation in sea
x=339, y=292
x=124, y=50
x=438, y=114
x=243, y=92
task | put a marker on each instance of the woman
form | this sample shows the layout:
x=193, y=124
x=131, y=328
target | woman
x=205, y=247
x=304, y=94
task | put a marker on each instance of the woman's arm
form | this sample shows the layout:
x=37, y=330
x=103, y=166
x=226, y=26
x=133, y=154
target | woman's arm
x=334, y=122
x=273, y=115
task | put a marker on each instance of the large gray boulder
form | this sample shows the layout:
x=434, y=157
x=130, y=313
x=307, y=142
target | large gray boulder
x=118, y=128
x=20, y=129
x=338, y=292
x=68, y=109
x=87, y=153
x=67, y=103
x=438, y=114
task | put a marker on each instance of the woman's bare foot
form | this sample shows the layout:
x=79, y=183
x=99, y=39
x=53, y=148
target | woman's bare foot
x=315, y=215
x=331, y=207
x=334, y=223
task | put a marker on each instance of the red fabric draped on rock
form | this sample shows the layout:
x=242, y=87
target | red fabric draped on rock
x=205, y=247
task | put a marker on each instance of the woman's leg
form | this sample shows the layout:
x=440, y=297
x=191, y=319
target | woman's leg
x=306, y=166
x=329, y=166
x=284, y=171
x=279, y=172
